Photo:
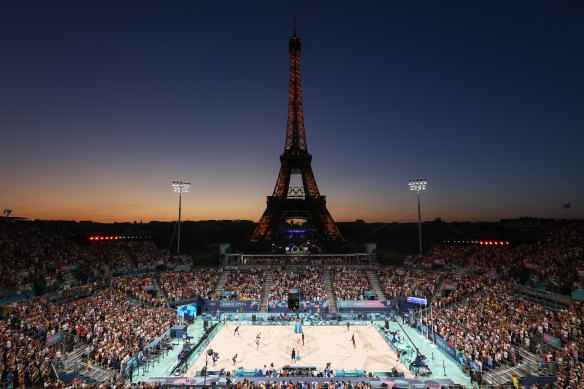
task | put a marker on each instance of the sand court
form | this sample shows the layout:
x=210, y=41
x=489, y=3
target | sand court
x=322, y=344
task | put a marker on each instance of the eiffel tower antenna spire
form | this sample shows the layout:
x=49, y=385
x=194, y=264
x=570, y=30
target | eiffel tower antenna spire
x=294, y=25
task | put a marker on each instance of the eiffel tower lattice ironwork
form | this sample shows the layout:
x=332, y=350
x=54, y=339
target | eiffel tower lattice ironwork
x=296, y=202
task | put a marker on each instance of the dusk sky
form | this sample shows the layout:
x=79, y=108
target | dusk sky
x=104, y=103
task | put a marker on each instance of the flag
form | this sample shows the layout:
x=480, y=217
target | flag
x=568, y=206
x=515, y=380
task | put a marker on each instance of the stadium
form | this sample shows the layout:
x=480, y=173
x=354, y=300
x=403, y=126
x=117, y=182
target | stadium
x=119, y=312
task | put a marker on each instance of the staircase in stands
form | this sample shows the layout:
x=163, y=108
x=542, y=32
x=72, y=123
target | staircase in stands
x=266, y=290
x=221, y=282
x=330, y=291
x=374, y=279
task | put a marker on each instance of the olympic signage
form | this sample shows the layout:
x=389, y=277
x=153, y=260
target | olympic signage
x=364, y=305
x=232, y=305
x=292, y=248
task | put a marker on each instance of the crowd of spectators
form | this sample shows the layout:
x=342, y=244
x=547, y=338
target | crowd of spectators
x=112, y=327
x=476, y=314
x=179, y=285
x=309, y=281
x=146, y=254
x=399, y=282
x=243, y=285
x=140, y=288
x=83, y=384
x=30, y=253
x=555, y=259
x=490, y=324
x=303, y=384
x=34, y=254
x=570, y=365
x=350, y=284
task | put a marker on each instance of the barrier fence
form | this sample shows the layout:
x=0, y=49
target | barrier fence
x=310, y=318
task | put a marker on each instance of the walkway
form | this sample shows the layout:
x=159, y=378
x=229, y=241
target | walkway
x=440, y=363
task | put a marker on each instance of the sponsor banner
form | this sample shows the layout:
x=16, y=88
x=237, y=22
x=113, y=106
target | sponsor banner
x=370, y=293
x=232, y=305
x=147, y=287
x=364, y=305
x=551, y=340
x=449, y=287
x=225, y=293
x=54, y=338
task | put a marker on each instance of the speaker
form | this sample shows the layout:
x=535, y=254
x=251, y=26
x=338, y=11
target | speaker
x=253, y=317
x=386, y=324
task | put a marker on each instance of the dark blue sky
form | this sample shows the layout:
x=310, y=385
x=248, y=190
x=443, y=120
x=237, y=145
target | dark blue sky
x=104, y=103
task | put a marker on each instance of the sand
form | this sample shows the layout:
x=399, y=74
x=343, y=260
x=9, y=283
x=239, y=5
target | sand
x=322, y=344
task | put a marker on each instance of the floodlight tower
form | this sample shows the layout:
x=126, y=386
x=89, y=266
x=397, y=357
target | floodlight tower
x=180, y=187
x=418, y=185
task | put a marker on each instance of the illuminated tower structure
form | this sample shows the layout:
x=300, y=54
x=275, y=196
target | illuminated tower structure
x=303, y=202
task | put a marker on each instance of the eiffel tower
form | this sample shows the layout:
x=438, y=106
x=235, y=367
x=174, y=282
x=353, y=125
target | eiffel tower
x=297, y=202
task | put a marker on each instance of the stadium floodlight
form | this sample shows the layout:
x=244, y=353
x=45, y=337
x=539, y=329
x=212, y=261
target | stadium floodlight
x=180, y=187
x=418, y=185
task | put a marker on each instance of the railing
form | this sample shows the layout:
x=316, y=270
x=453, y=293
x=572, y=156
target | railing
x=498, y=375
x=549, y=369
x=545, y=298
